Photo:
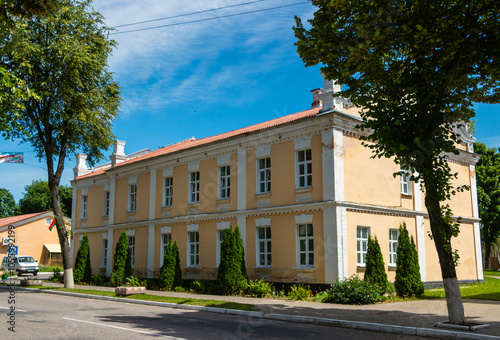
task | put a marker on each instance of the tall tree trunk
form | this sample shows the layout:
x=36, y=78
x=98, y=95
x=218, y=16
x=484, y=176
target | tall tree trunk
x=487, y=254
x=63, y=233
x=441, y=233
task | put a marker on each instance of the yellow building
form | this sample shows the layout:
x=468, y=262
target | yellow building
x=31, y=235
x=302, y=189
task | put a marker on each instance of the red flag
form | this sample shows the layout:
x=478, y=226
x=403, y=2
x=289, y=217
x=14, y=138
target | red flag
x=51, y=225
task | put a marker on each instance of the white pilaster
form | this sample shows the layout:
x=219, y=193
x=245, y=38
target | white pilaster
x=338, y=165
x=419, y=221
x=151, y=249
x=152, y=194
x=475, y=213
x=111, y=247
x=328, y=165
x=111, y=217
x=242, y=180
x=242, y=224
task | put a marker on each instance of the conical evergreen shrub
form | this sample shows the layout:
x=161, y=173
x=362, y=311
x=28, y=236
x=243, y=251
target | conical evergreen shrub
x=242, y=248
x=83, y=270
x=375, y=268
x=119, y=259
x=230, y=277
x=171, y=272
x=408, y=281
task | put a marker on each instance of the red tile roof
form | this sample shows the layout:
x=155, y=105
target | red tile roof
x=14, y=219
x=191, y=143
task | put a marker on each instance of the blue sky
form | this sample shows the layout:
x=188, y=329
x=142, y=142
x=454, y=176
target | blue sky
x=203, y=78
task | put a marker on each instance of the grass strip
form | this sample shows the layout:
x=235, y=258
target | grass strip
x=157, y=298
x=489, y=290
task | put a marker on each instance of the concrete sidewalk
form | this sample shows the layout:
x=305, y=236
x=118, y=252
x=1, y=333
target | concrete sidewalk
x=421, y=314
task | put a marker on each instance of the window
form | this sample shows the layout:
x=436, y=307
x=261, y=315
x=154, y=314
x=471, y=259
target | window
x=167, y=185
x=264, y=175
x=106, y=203
x=165, y=240
x=194, y=187
x=224, y=181
x=220, y=238
x=362, y=244
x=193, y=248
x=304, y=164
x=104, y=253
x=393, y=246
x=306, y=244
x=264, y=244
x=84, y=206
x=405, y=182
x=131, y=249
x=132, y=202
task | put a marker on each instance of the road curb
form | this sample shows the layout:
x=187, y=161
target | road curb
x=369, y=326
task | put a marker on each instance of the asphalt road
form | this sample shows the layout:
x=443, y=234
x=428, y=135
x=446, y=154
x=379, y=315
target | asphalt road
x=44, y=316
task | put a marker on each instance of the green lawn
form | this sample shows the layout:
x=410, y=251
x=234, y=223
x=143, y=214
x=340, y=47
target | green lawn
x=491, y=273
x=147, y=297
x=489, y=290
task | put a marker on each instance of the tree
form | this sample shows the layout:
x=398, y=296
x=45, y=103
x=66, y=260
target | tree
x=488, y=194
x=8, y=205
x=375, y=267
x=63, y=59
x=37, y=198
x=13, y=91
x=119, y=260
x=83, y=269
x=230, y=278
x=408, y=281
x=414, y=68
x=171, y=272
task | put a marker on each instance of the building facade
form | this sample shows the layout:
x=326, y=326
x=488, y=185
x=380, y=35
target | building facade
x=302, y=189
x=32, y=236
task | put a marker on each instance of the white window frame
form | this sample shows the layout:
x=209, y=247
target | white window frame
x=107, y=202
x=393, y=246
x=264, y=172
x=307, y=175
x=307, y=238
x=84, y=206
x=264, y=247
x=224, y=181
x=104, y=253
x=166, y=238
x=220, y=238
x=132, y=197
x=362, y=239
x=405, y=180
x=131, y=249
x=168, y=183
x=193, y=259
x=194, y=187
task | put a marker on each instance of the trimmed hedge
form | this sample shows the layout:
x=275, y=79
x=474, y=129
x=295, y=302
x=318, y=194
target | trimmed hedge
x=83, y=269
x=353, y=291
x=375, y=268
x=408, y=281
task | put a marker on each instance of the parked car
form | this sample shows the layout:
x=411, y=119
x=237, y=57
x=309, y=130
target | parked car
x=22, y=264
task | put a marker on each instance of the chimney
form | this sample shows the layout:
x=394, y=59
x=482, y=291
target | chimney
x=316, y=102
x=326, y=97
x=118, y=155
x=81, y=165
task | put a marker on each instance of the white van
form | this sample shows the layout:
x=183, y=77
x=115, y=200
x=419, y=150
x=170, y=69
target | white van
x=22, y=264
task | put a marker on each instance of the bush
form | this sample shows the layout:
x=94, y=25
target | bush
x=300, y=292
x=180, y=289
x=133, y=282
x=57, y=277
x=231, y=275
x=321, y=297
x=260, y=288
x=98, y=280
x=375, y=267
x=354, y=291
x=83, y=270
x=408, y=281
x=203, y=287
x=119, y=259
x=171, y=272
